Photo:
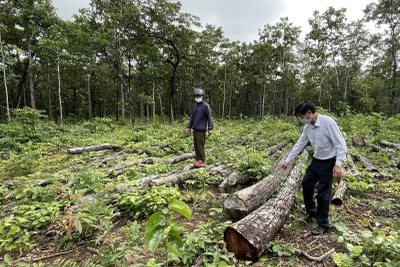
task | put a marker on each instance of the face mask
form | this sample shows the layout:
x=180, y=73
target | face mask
x=198, y=99
x=305, y=121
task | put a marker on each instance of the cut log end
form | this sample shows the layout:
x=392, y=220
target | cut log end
x=337, y=201
x=234, y=207
x=242, y=248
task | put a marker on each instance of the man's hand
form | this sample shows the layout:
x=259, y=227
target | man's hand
x=284, y=165
x=187, y=131
x=209, y=132
x=337, y=172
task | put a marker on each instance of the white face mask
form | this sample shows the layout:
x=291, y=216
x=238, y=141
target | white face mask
x=198, y=99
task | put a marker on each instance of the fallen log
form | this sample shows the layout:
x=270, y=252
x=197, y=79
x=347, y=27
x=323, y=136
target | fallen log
x=241, y=203
x=366, y=164
x=80, y=150
x=271, y=150
x=337, y=198
x=351, y=169
x=390, y=144
x=387, y=152
x=247, y=237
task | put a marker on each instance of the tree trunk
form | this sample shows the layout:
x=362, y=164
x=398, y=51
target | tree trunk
x=241, y=203
x=59, y=91
x=31, y=80
x=247, y=238
x=89, y=99
x=5, y=79
x=337, y=198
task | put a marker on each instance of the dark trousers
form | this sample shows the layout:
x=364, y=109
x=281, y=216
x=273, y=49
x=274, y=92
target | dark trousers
x=199, y=141
x=321, y=172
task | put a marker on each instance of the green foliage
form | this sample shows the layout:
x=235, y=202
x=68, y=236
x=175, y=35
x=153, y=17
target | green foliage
x=142, y=203
x=162, y=226
x=279, y=249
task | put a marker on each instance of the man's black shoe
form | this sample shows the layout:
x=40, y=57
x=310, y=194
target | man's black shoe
x=319, y=230
x=307, y=217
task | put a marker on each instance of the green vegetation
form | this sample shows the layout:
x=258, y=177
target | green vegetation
x=55, y=201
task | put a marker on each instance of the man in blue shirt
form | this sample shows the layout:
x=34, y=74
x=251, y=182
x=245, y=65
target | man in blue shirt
x=329, y=153
x=201, y=122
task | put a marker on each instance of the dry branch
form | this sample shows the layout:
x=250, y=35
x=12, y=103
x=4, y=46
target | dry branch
x=247, y=237
x=320, y=258
x=80, y=150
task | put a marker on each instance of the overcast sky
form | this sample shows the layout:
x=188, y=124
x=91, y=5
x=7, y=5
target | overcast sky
x=241, y=19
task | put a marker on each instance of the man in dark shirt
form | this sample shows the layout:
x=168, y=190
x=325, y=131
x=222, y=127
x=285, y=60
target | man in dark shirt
x=201, y=122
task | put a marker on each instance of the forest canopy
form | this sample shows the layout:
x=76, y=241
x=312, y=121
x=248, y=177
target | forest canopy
x=130, y=59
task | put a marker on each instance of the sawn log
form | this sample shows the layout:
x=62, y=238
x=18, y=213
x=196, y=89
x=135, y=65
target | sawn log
x=241, y=203
x=80, y=150
x=247, y=237
x=337, y=198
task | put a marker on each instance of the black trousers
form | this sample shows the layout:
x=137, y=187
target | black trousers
x=321, y=172
x=199, y=141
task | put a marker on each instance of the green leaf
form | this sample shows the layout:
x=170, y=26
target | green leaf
x=7, y=258
x=13, y=229
x=154, y=237
x=176, y=230
x=78, y=225
x=174, y=243
x=155, y=220
x=181, y=207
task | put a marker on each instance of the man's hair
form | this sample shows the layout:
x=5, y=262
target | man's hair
x=303, y=107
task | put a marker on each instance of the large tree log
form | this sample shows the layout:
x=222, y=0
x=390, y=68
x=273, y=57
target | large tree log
x=366, y=164
x=351, y=169
x=390, y=144
x=241, y=203
x=387, y=152
x=337, y=198
x=358, y=141
x=271, y=150
x=247, y=237
x=80, y=150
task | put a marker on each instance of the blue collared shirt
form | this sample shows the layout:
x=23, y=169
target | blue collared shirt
x=325, y=138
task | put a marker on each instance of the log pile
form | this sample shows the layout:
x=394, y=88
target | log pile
x=241, y=203
x=248, y=236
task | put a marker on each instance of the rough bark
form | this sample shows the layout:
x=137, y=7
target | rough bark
x=351, y=169
x=180, y=158
x=366, y=164
x=241, y=203
x=390, y=144
x=247, y=237
x=387, y=152
x=271, y=150
x=80, y=150
x=337, y=198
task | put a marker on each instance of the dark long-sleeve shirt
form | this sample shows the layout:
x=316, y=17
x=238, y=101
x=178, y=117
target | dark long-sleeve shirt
x=201, y=117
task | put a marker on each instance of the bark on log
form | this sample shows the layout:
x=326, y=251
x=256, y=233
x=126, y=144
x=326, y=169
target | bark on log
x=387, y=152
x=247, y=237
x=337, y=198
x=351, y=169
x=241, y=203
x=366, y=164
x=390, y=144
x=80, y=150
x=271, y=150
x=180, y=158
